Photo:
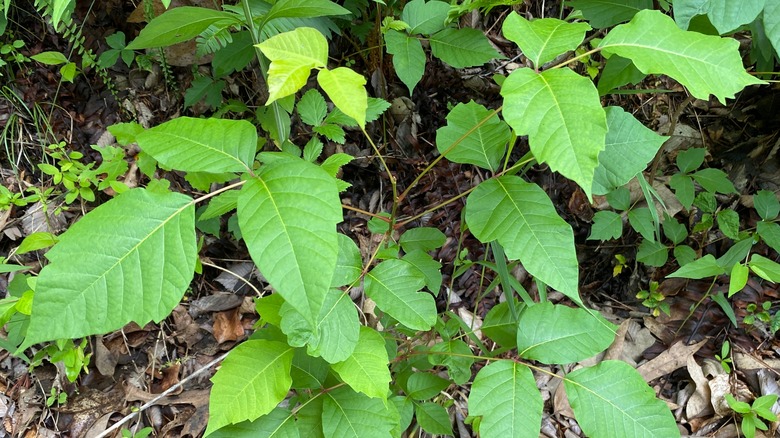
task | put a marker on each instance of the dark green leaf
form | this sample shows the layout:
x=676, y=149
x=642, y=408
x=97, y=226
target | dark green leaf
x=652, y=253
x=606, y=225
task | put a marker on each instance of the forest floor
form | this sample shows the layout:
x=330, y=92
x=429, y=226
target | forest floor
x=679, y=354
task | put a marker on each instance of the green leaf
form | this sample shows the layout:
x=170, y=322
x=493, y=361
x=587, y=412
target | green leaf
x=312, y=108
x=738, y=278
x=425, y=18
x=293, y=54
x=36, y=241
x=504, y=393
x=405, y=409
x=770, y=233
x=433, y=418
x=522, y=218
x=50, y=58
x=641, y=220
x=683, y=188
x=252, y=380
x=606, y=225
x=620, y=198
x=456, y=357
x=690, y=159
x=279, y=423
x=737, y=253
x=125, y=133
x=461, y=48
x=766, y=204
x=618, y=71
x=630, y=146
x=308, y=372
x=425, y=386
x=430, y=268
x=704, y=267
x=331, y=132
x=607, y=13
x=652, y=253
x=561, y=113
x=312, y=149
x=559, y=334
x=338, y=326
x=675, y=231
x=408, y=58
x=762, y=266
x=333, y=163
x=349, y=264
x=394, y=285
x=728, y=222
x=483, y=146
x=422, y=238
x=725, y=15
x=211, y=145
x=350, y=414
x=714, y=180
x=365, y=370
x=684, y=254
x=178, y=25
x=612, y=399
x=771, y=21
x=703, y=64
x=221, y=204
x=500, y=326
x=543, y=40
x=288, y=216
x=347, y=91
x=139, y=274
x=304, y=9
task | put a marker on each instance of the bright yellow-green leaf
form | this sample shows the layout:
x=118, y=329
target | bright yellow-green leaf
x=286, y=77
x=561, y=114
x=293, y=54
x=703, y=64
x=347, y=91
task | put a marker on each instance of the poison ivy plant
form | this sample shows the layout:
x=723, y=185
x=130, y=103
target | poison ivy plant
x=458, y=48
x=311, y=367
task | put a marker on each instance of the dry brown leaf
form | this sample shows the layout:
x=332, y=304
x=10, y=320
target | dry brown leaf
x=672, y=359
x=227, y=326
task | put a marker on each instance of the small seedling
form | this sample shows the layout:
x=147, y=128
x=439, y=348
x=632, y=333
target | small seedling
x=725, y=357
x=654, y=300
x=761, y=407
x=60, y=398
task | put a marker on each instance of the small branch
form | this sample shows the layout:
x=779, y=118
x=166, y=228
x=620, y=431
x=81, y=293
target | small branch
x=168, y=391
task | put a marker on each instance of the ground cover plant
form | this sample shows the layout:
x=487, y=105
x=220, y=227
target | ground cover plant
x=321, y=361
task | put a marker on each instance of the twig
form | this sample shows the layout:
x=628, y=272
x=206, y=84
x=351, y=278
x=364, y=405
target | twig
x=151, y=402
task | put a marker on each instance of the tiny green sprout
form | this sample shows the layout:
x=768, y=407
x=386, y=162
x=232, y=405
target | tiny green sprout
x=620, y=264
x=653, y=299
x=752, y=414
x=60, y=398
x=724, y=357
x=756, y=314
